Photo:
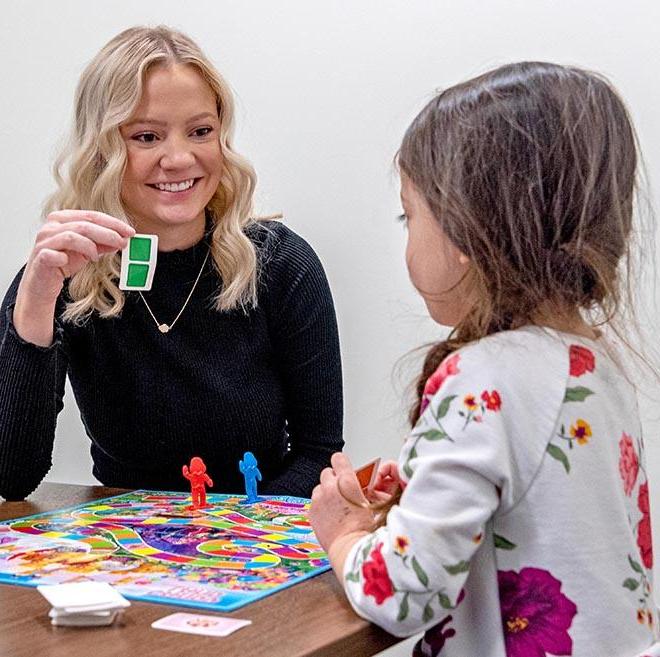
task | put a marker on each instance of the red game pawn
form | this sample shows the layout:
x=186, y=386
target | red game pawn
x=198, y=479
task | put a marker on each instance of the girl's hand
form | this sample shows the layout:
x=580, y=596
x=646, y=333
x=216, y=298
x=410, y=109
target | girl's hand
x=387, y=482
x=338, y=505
x=64, y=245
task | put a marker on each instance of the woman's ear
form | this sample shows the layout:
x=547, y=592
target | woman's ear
x=463, y=259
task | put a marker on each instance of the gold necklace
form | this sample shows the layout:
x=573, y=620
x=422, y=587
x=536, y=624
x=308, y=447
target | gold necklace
x=166, y=328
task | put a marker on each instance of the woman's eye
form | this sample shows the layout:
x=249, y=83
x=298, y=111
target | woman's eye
x=202, y=132
x=403, y=218
x=146, y=137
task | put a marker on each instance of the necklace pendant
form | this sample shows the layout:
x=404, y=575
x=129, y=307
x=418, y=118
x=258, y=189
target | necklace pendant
x=163, y=328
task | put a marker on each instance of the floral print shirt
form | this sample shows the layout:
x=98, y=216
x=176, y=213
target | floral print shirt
x=524, y=526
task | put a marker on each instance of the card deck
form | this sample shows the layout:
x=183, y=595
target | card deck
x=83, y=603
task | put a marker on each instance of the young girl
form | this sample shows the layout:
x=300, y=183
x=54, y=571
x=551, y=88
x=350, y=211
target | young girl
x=234, y=349
x=520, y=523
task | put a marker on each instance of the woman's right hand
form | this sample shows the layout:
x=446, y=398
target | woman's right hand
x=67, y=241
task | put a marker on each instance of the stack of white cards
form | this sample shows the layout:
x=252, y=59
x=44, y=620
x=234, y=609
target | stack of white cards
x=84, y=603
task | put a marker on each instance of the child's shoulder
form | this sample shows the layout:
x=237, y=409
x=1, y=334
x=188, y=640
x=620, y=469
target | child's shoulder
x=526, y=351
x=532, y=362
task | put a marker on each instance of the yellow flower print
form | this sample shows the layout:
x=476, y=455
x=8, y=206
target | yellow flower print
x=470, y=402
x=401, y=544
x=581, y=431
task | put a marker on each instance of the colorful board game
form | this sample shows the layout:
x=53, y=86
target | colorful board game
x=153, y=546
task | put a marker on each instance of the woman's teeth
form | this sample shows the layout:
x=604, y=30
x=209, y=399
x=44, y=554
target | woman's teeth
x=175, y=187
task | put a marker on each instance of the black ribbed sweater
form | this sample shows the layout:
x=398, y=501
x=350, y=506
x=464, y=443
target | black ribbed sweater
x=217, y=385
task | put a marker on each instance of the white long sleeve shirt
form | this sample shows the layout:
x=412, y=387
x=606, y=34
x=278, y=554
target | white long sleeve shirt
x=524, y=527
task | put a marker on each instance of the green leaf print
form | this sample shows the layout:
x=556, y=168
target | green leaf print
x=558, y=453
x=577, y=394
x=634, y=565
x=406, y=466
x=403, y=609
x=631, y=583
x=503, y=543
x=444, y=406
x=367, y=548
x=444, y=600
x=353, y=577
x=434, y=434
x=428, y=613
x=460, y=567
x=420, y=572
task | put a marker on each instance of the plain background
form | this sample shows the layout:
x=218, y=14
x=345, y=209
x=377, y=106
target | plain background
x=325, y=91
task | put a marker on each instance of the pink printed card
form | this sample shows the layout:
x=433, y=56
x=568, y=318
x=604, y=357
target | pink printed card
x=200, y=624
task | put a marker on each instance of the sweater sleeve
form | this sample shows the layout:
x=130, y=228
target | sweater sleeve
x=473, y=455
x=303, y=331
x=31, y=396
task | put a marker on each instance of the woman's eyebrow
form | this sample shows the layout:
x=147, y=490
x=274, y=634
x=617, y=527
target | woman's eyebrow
x=192, y=119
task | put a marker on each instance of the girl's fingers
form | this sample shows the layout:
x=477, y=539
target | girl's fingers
x=378, y=496
x=349, y=488
x=99, y=218
x=341, y=463
x=71, y=241
x=327, y=476
x=389, y=469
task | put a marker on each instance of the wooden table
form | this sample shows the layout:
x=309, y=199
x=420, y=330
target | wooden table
x=311, y=618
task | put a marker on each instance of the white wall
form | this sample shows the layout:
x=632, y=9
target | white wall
x=325, y=91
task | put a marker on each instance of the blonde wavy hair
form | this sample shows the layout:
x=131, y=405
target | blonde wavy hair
x=89, y=170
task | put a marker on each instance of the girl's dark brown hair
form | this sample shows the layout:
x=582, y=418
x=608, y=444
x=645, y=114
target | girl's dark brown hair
x=530, y=169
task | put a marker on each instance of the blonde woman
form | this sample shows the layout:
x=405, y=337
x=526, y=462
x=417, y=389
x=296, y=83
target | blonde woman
x=235, y=348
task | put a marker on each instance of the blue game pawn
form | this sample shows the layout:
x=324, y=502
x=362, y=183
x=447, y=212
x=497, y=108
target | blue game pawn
x=248, y=466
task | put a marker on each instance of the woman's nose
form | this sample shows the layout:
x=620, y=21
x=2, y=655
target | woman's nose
x=177, y=154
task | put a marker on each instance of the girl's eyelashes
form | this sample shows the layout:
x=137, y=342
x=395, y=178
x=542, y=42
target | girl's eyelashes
x=403, y=218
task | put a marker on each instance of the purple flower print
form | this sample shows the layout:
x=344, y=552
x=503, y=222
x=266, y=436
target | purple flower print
x=536, y=615
x=434, y=639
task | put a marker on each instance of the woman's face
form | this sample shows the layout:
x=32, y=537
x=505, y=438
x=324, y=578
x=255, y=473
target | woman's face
x=174, y=156
x=436, y=266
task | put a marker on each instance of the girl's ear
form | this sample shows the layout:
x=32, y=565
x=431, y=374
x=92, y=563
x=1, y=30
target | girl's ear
x=463, y=259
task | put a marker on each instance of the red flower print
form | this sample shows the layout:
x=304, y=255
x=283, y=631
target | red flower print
x=448, y=367
x=628, y=463
x=536, y=615
x=644, y=538
x=643, y=498
x=376, y=579
x=492, y=400
x=582, y=360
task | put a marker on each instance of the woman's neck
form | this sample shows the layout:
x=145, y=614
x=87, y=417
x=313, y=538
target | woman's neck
x=175, y=237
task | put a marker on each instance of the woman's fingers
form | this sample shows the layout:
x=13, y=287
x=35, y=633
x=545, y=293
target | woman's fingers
x=73, y=242
x=90, y=216
x=98, y=234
